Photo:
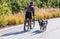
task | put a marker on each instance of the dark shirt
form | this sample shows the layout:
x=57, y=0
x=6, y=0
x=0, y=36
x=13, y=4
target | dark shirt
x=29, y=12
x=30, y=9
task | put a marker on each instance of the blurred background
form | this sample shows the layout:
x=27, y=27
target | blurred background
x=12, y=11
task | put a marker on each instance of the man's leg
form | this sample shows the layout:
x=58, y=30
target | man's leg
x=30, y=24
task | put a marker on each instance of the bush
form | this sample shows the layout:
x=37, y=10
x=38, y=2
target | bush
x=3, y=21
x=4, y=9
x=17, y=5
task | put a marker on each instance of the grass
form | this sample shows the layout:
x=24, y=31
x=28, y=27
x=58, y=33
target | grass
x=47, y=13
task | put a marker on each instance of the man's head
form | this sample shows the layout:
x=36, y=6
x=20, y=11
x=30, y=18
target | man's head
x=31, y=3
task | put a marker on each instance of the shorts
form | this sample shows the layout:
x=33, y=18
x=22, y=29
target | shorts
x=28, y=15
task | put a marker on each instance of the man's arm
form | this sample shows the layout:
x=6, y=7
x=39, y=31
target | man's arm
x=33, y=11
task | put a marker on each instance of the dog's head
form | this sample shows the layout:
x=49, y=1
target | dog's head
x=43, y=22
x=39, y=21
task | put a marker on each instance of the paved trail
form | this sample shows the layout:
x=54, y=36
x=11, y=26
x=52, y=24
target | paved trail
x=17, y=32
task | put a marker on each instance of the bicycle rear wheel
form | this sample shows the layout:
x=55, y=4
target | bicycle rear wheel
x=26, y=25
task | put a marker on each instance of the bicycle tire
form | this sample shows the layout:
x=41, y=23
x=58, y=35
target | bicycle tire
x=26, y=27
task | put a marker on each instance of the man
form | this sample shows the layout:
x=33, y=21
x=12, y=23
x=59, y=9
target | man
x=29, y=13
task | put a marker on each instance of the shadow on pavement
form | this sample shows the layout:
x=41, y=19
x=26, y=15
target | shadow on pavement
x=37, y=32
x=15, y=33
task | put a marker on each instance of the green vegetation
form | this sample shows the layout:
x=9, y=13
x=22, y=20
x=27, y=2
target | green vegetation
x=17, y=5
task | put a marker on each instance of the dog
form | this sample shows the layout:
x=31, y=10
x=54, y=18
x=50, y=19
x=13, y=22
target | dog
x=43, y=24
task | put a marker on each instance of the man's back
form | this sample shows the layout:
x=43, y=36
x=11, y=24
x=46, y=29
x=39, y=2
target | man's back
x=30, y=11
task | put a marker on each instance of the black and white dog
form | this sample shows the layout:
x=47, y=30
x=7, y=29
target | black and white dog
x=43, y=24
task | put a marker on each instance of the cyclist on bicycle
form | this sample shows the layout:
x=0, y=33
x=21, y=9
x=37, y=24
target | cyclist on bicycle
x=29, y=14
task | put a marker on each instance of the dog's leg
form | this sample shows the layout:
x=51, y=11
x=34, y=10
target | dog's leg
x=41, y=28
x=44, y=28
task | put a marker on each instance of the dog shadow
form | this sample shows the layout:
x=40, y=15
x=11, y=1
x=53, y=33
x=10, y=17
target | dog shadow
x=13, y=33
x=37, y=32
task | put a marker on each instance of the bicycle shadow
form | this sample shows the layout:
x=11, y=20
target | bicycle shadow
x=37, y=32
x=14, y=33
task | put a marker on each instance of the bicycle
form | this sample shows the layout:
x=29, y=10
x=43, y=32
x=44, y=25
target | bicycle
x=28, y=24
